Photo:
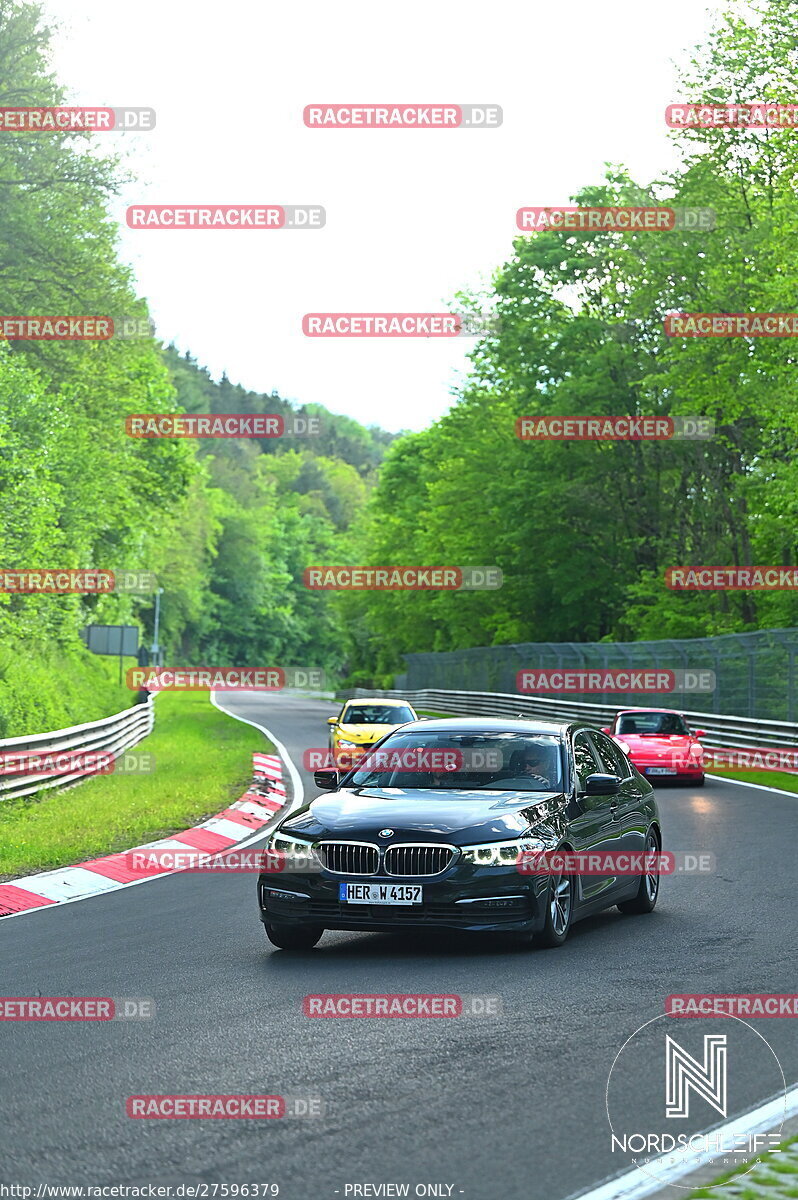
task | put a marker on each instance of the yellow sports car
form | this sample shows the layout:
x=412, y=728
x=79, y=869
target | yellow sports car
x=361, y=723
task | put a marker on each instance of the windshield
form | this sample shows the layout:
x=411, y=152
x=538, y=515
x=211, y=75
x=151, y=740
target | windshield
x=484, y=761
x=377, y=714
x=652, y=723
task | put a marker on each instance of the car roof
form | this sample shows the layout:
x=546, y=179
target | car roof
x=379, y=700
x=490, y=725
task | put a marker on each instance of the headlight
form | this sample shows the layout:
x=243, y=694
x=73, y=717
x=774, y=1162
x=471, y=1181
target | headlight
x=292, y=853
x=342, y=744
x=501, y=854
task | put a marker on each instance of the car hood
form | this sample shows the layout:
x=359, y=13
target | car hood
x=461, y=817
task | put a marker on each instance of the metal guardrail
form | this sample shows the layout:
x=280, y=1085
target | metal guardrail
x=721, y=730
x=110, y=735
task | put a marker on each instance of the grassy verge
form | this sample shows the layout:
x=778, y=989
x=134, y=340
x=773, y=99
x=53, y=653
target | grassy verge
x=43, y=689
x=775, y=779
x=203, y=761
x=775, y=1175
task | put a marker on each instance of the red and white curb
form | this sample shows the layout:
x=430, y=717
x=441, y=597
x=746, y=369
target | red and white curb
x=232, y=826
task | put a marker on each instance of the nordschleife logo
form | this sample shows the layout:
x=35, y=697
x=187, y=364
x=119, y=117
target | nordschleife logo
x=677, y=1103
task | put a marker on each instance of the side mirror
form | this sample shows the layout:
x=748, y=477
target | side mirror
x=606, y=729
x=332, y=720
x=326, y=778
x=700, y=733
x=602, y=785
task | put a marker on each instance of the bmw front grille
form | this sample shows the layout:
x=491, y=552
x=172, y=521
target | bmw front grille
x=416, y=859
x=422, y=858
x=349, y=858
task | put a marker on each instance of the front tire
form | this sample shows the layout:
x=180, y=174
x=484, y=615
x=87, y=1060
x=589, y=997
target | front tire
x=559, y=912
x=294, y=937
x=648, y=891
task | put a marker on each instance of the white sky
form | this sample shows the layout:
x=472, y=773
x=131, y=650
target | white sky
x=412, y=216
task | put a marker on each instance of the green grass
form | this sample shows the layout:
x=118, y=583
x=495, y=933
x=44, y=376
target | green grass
x=775, y=779
x=203, y=761
x=776, y=1172
x=44, y=688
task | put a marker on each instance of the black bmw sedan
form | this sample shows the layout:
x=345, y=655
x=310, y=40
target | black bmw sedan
x=436, y=827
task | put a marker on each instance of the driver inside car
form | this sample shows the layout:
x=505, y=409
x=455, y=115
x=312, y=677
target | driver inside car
x=529, y=769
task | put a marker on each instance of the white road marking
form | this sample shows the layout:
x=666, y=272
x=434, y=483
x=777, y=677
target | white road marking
x=296, y=782
x=760, y=787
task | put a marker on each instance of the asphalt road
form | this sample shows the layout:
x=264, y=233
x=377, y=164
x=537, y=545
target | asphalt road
x=510, y=1106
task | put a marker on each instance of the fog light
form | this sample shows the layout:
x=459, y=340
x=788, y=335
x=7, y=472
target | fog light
x=275, y=894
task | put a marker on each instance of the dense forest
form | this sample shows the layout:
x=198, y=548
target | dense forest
x=227, y=526
x=583, y=532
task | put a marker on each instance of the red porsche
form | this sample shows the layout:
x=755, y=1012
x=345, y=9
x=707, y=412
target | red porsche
x=659, y=743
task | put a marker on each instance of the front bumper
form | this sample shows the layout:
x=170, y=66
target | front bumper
x=475, y=899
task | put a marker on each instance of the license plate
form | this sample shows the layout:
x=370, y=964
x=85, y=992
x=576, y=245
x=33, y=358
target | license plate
x=660, y=771
x=379, y=893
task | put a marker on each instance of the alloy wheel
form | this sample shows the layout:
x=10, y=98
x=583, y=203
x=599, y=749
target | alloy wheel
x=560, y=904
x=652, y=877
